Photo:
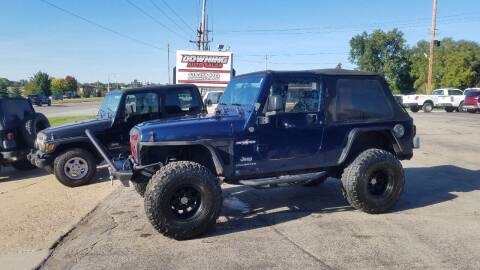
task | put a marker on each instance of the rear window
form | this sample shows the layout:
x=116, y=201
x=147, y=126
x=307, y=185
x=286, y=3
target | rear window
x=359, y=99
x=182, y=100
x=473, y=93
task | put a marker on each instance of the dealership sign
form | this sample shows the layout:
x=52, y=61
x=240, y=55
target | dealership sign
x=204, y=68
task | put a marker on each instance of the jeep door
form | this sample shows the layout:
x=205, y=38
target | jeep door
x=293, y=134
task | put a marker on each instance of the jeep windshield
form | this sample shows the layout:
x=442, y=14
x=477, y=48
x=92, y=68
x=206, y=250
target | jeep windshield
x=242, y=91
x=109, y=106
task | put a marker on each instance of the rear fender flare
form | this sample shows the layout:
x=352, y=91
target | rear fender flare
x=354, y=133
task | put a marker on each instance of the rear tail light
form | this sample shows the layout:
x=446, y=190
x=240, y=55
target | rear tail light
x=451, y=99
x=10, y=136
x=134, y=138
x=416, y=97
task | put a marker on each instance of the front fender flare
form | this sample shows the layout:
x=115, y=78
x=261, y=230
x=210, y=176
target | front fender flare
x=205, y=143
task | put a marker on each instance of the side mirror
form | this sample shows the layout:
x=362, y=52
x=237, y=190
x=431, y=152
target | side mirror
x=209, y=102
x=275, y=103
x=129, y=109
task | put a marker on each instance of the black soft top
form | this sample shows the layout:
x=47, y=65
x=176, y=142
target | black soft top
x=331, y=72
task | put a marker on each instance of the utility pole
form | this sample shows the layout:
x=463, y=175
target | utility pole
x=202, y=41
x=432, y=46
x=168, y=61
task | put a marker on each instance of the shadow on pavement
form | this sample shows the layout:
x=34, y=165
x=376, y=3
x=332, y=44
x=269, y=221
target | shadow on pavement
x=8, y=174
x=247, y=208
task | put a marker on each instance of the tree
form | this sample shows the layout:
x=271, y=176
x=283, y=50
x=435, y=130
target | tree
x=3, y=88
x=456, y=64
x=15, y=92
x=60, y=86
x=72, y=83
x=385, y=53
x=38, y=84
x=339, y=66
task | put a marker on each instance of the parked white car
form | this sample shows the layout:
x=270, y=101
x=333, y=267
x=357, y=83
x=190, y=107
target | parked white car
x=425, y=102
x=211, y=99
x=452, y=102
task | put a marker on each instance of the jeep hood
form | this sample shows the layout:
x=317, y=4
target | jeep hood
x=205, y=126
x=76, y=129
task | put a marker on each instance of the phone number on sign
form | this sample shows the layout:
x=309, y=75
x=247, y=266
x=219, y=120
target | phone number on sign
x=202, y=76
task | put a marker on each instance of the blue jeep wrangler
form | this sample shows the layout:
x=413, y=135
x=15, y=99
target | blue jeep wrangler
x=273, y=128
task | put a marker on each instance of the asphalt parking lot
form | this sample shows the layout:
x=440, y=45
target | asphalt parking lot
x=69, y=109
x=434, y=226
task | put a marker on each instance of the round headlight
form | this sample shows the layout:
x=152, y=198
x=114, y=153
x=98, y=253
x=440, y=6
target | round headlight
x=399, y=130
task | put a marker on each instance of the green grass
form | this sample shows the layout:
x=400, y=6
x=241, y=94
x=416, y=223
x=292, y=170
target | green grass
x=60, y=120
x=77, y=100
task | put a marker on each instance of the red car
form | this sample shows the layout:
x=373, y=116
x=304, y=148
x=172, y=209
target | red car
x=472, y=100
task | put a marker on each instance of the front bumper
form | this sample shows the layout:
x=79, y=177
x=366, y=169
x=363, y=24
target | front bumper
x=13, y=156
x=39, y=159
x=410, y=104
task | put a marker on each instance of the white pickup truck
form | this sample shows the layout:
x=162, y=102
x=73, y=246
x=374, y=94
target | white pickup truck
x=428, y=102
x=452, y=102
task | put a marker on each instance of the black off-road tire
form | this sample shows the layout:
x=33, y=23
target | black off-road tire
x=472, y=110
x=169, y=181
x=23, y=165
x=460, y=107
x=414, y=109
x=358, y=183
x=34, y=124
x=140, y=188
x=427, y=107
x=449, y=109
x=315, y=182
x=61, y=160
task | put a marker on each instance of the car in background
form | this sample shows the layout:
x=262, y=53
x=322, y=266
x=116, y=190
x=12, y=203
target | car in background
x=39, y=100
x=70, y=95
x=425, y=102
x=19, y=124
x=56, y=97
x=211, y=99
x=453, y=102
x=472, y=100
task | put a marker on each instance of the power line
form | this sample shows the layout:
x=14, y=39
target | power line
x=153, y=18
x=178, y=16
x=346, y=27
x=102, y=26
x=169, y=18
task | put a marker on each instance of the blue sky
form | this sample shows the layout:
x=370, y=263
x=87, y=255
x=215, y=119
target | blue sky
x=299, y=34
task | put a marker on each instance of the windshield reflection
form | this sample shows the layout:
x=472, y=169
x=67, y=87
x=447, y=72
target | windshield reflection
x=109, y=106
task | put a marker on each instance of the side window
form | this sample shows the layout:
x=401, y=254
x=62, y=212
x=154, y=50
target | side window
x=298, y=94
x=182, y=100
x=455, y=93
x=360, y=99
x=142, y=103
